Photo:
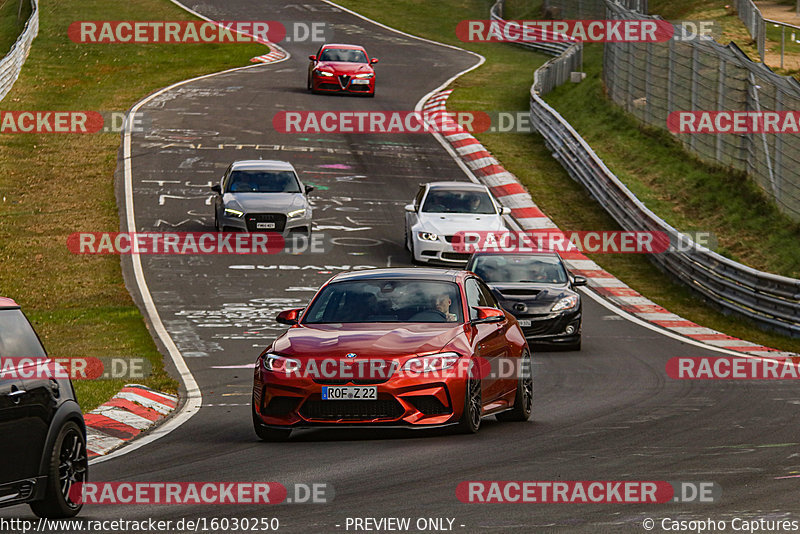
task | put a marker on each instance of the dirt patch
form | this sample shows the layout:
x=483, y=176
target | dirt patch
x=780, y=12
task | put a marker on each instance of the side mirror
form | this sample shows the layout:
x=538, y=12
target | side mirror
x=289, y=317
x=373, y=60
x=312, y=58
x=309, y=188
x=216, y=188
x=505, y=211
x=410, y=208
x=579, y=281
x=488, y=315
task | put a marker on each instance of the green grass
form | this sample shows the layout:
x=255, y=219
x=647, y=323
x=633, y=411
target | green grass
x=565, y=201
x=13, y=16
x=52, y=185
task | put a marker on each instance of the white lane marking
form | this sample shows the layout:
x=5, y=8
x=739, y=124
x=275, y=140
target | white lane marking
x=194, y=398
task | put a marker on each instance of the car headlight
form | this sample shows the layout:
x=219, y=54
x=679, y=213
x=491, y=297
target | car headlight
x=432, y=362
x=365, y=75
x=565, y=303
x=230, y=212
x=324, y=73
x=428, y=236
x=280, y=364
x=296, y=213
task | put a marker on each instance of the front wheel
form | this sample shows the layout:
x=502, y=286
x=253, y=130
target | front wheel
x=470, y=421
x=68, y=468
x=523, y=401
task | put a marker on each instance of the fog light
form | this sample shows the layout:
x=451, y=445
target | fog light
x=570, y=330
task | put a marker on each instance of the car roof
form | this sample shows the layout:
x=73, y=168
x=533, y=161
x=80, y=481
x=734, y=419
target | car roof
x=347, y=46
x=408, y=273
x=263, y=164
x=8, y=303
x=457, y=186
x=550, y=253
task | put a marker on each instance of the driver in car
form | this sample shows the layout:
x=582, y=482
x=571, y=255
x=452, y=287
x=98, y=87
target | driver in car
x=443, y=303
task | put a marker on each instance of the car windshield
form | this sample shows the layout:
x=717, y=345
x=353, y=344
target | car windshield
x=458, y=201
x=343, y=54
x=17, y=338
x=263, y=182
x=498, y=269
x=387, y=301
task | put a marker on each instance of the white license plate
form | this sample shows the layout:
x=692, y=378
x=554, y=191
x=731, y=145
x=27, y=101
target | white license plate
x=265, y=226
x=360, y=82
x=524, y=322
x=349, y=393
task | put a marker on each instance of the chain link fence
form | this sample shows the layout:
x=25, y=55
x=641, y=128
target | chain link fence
x=751, y=16
x=11, y=64
x=652, y=80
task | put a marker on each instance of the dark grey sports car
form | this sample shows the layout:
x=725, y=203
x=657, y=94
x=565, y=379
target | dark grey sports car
x=539, y=290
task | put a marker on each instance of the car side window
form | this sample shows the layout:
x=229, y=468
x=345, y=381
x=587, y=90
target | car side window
x=420, y=194
x=474, y=297
x=487, y=296
x=226, y=178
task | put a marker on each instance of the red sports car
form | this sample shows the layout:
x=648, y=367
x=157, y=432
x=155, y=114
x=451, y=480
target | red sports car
x=341, y=68
x=417, y=348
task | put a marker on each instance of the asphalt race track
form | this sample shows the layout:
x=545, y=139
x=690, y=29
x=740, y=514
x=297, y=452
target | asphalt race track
x=608, y=412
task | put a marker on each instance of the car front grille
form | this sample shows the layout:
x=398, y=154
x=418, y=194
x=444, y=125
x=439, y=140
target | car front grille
x=333, y=410
x=252, y=220
x=345, y=381
x=455, y=256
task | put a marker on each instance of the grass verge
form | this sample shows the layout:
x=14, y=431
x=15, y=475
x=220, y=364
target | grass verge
x=13, y=16
x=54, y=184
x=508, y=71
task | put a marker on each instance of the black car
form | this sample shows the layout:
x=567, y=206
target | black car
x=42, y=433
x=539, y=290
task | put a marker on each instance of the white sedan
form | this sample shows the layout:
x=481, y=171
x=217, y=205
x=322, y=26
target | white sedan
x=441, y=210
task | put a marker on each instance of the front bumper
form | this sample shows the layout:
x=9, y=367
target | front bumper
x=402, y=402
x=333, y=85
x=553, y=327
x=283, y=225
x=438, y=251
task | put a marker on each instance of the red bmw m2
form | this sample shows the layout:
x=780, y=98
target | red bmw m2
x=414, y=348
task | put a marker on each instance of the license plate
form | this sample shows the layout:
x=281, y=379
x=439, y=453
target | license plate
x=360, y=82
x=265, y=226
x=524, y=322
x=349, y=393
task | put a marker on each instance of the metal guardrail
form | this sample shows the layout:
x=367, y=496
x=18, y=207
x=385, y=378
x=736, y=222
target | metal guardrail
x=11, y=64
x=569, y=56
x=772, y=301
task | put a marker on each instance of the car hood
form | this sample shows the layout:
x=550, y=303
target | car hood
x=452, y=223
x=366, y=340
x=345, y=67
x=265, y=202
x=536, y=297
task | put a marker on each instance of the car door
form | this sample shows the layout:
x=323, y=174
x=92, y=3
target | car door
x=507, y=378
x=15, y=441
x=26, y=399
x=489, y=342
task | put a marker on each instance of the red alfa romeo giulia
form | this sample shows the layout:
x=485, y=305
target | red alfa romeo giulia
x=416, y=348
x=341, y=68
